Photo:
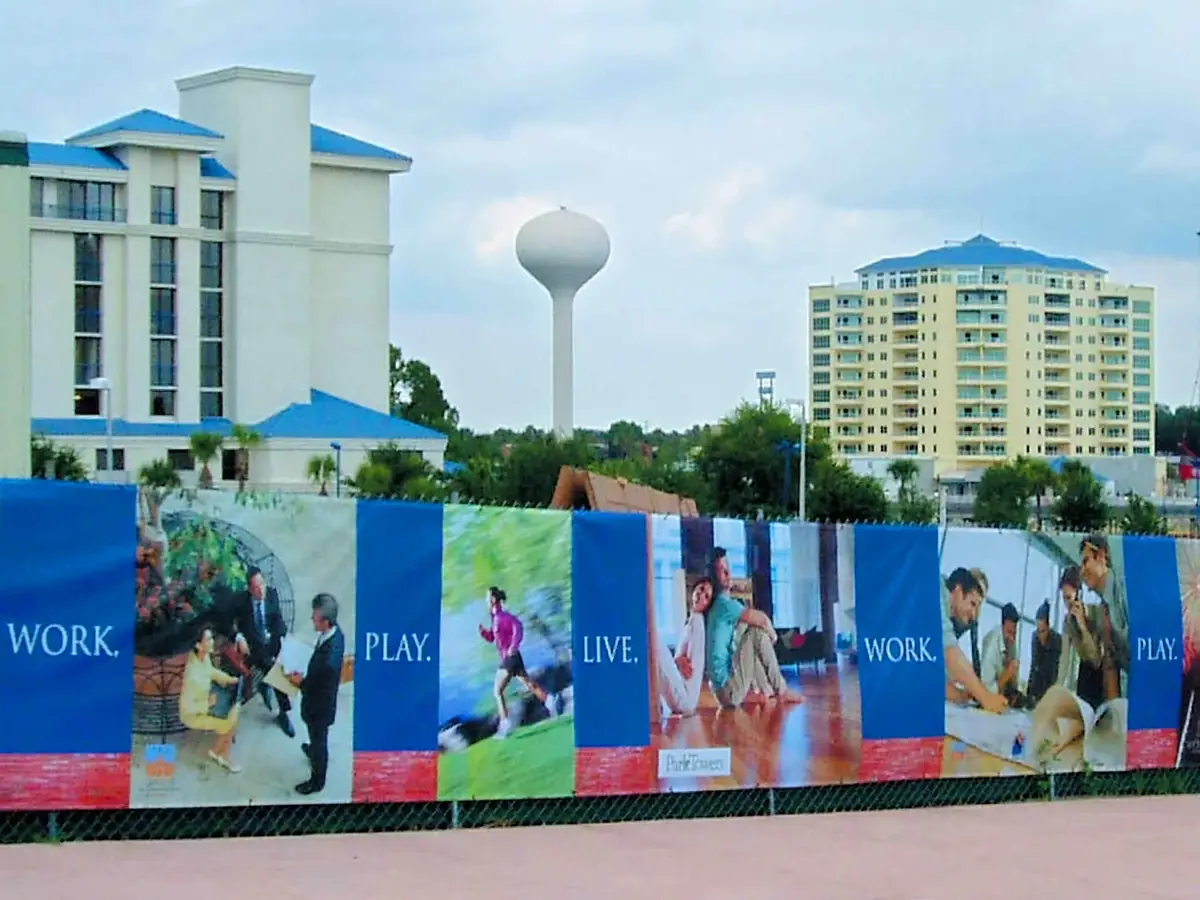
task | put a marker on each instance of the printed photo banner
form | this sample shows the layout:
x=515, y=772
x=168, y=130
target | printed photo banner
x=220, y=649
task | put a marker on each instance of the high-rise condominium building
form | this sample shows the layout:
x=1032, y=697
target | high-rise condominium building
x=979, y=351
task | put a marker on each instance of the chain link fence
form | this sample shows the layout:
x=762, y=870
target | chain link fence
x=272, y=821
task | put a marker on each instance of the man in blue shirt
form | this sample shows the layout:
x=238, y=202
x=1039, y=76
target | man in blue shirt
x=741, y=660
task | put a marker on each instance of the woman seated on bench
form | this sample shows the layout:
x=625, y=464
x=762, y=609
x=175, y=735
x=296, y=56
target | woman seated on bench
x=207, y=701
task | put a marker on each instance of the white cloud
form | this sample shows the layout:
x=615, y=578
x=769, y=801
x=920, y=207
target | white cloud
x=1171, y=160
x=496, y=225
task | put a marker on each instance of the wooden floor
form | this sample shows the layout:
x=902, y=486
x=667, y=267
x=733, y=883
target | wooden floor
x=817, y=742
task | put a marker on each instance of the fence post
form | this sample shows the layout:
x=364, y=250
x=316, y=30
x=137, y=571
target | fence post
x=454, y=822
x=52, y=826
x=771, y=801
x=1053, y=791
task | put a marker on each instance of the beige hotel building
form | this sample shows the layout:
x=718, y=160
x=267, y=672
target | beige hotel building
x=979, y=351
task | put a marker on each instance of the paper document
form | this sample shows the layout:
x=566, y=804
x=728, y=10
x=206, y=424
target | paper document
x=991, y=733
x=294, y=656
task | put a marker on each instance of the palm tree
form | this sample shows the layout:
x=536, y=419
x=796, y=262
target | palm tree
x=157, y=480
x=320, y=470
x=246, y=439
x=1040, y=479
x=905, y=471
x=205, y=446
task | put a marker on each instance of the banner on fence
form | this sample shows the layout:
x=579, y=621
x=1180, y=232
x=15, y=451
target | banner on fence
x=219, y=649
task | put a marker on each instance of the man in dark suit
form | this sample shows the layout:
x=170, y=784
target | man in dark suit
x=319, y=689
x=259, y=630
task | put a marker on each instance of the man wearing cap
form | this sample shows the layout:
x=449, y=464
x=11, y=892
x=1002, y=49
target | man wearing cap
x=962, y=596
x=1047, y=649
x=1000, y=667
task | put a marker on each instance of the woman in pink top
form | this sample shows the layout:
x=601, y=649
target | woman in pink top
x=506, y=633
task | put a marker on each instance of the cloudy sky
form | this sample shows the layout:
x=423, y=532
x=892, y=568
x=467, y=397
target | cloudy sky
x=737, y=151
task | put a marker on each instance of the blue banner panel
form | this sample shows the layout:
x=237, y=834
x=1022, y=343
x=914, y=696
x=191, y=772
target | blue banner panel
x=399, y=626
x=898, y=621
x=1155, y=632
x=67, y=552
x=611, y=580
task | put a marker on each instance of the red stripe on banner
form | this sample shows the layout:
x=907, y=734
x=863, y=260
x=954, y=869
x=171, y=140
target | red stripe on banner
x=1151, y=748
x=601, y=771
x=48, y=781
x=902, y=759
x=395, y=777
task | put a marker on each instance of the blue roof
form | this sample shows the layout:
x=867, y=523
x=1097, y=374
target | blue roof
x=123, y=429
x=149, y=121
x=210, y=168
x=326, y=140
x=979, y=251
x=325, y=417
x=452, y=468
x=76, y=157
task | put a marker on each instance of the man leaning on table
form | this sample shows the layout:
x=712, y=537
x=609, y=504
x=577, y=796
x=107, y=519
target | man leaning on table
x=962, y=596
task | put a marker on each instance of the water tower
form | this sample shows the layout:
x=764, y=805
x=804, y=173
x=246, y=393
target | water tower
x=563, y=250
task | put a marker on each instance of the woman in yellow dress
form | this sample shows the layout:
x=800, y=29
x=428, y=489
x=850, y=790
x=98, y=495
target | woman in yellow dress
x=197, y=699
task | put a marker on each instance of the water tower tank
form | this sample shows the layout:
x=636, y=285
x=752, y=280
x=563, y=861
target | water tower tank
x=563, y=250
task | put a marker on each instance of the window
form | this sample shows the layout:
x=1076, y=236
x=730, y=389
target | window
x=88, y=266
x=212, y=210
x=162, y=312
x=102, y=459
x=88, y=323
x=162, y=205
x=90, y=201
x=181, y=460
x=162, y=376
x=1141, y=307
x=212, y=302
x=162, y=261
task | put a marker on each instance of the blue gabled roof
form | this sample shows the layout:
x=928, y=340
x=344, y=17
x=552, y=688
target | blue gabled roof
x=149, y=121
x=75, y=157
x=326, y=416
x=210, y=168
x=979, y=251
x=123, y=429
x=326, y=140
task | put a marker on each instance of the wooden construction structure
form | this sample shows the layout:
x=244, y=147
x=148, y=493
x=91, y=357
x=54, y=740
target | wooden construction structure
x=581, y=489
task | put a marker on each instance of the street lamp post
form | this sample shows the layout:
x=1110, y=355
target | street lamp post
x=799, y=408
x=337, y=468
x=102, y=385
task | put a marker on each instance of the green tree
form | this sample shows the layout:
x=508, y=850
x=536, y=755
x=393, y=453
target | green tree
x=1079, y=505
x=1002, y=498
x=1140, y=516
x=528, y=473
x=390, y=472
x=204, y=447
x=57, y=461
x=416, y=394
x=840, y=495
x=158, y=480
x=1173, y=427
x=742, y=465
x=1040, y=479
x=247, y=440
x=911, y=506
x=321, y=468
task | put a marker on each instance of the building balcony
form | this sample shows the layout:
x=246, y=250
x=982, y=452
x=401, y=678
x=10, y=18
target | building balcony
x=77, y=213
x=904, y=448
x=905, y=301
x=907, y=375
